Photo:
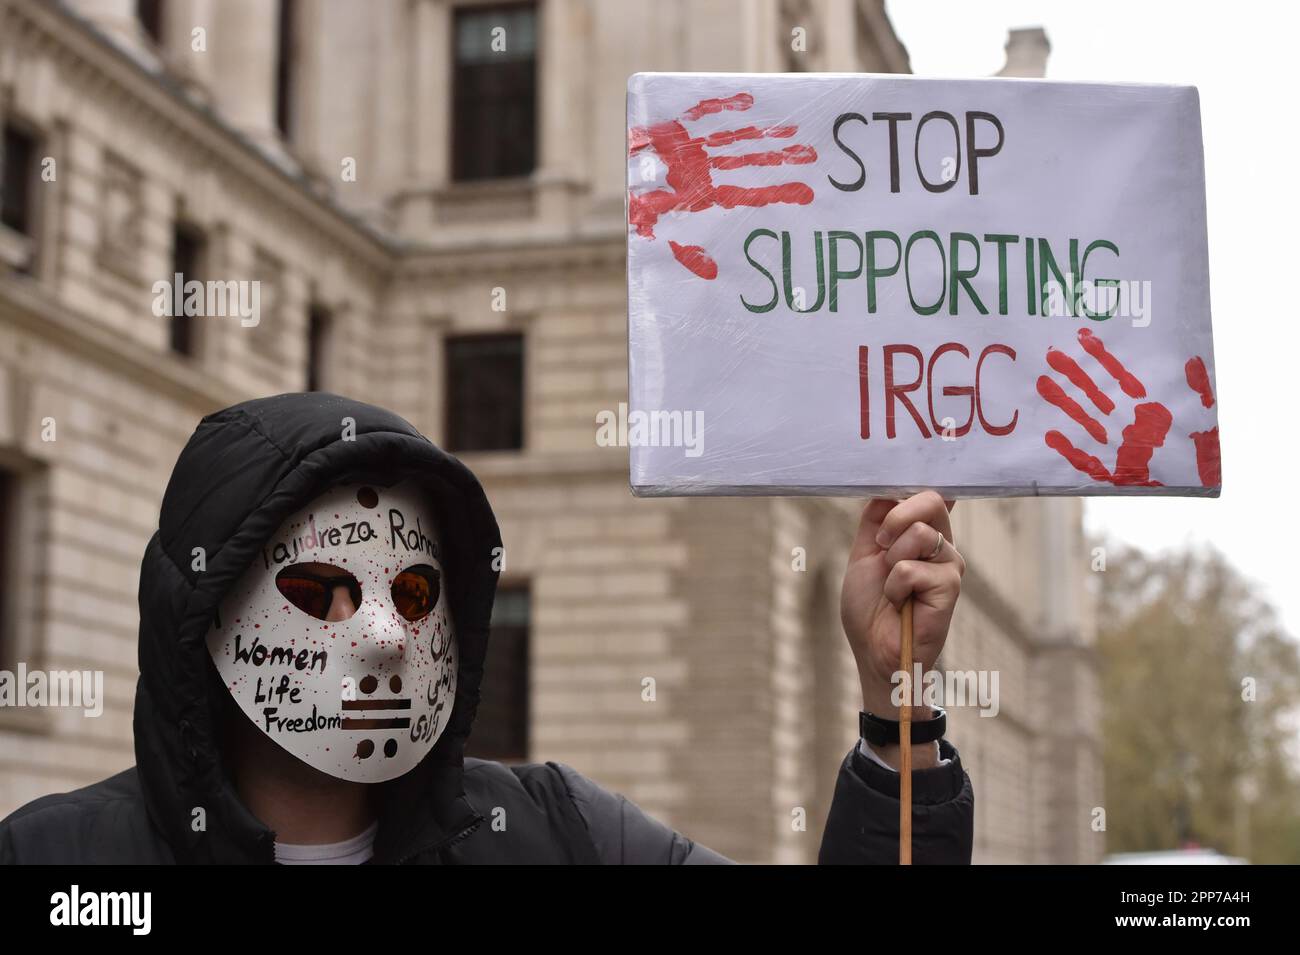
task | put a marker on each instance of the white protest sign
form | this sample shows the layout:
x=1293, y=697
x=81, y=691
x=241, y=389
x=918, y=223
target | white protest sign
x=850, y=283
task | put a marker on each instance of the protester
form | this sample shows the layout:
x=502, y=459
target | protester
x=314, y=619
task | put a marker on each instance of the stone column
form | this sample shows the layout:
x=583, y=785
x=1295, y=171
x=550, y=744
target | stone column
x=563, y=95
x=765, y=41
x=428, y=167
x=309, y=123
x=838, y=40
x=1064, y=672
x=244, y=47
x=181, y=18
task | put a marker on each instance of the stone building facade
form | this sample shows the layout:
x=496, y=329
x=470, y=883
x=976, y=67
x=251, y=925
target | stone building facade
x=350, y=158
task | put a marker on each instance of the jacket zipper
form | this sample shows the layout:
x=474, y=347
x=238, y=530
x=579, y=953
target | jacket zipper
x=445, y=843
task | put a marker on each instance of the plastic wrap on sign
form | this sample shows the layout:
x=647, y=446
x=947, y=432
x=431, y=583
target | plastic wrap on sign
x=853, y=284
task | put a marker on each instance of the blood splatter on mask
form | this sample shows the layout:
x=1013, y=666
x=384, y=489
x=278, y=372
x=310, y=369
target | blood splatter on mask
x=337, y=642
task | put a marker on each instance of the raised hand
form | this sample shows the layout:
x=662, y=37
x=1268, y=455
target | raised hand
x=902, y=549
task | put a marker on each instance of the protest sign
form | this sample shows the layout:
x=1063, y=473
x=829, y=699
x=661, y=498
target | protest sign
x=877, y=284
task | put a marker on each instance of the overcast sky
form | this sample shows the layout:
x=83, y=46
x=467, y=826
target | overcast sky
x=1243, y=57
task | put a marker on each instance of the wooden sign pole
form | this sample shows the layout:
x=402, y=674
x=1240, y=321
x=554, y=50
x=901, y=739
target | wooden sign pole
x=905, y=741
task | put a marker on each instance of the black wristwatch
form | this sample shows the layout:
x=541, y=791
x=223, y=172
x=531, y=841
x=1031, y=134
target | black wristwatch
x=882, y=732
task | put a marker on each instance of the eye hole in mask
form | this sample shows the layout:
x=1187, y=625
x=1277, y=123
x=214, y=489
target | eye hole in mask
x=416, y=590
x=312, y=588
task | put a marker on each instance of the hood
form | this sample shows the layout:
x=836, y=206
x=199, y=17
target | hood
x=243, y=472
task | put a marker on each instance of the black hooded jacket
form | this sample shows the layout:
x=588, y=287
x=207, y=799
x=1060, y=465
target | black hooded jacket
x=242, y=473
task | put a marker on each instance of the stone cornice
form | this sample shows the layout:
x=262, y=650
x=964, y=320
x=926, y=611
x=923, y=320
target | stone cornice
x=27, y=305
x=194, y=126
x=505, y=467
x=196, y=129
x=547, y=253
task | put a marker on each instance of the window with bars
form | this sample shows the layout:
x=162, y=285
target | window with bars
x=319, y=328
x=485, y=392
x=24, y=532
x=494, y=109
x=19, y=156
x=188, y=247
x=8, y=651
x=150, y=15
x=501, y=725
x=286, y=54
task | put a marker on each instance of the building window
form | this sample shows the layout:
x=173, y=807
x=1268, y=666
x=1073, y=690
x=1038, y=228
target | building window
x=501, y=725
x=24, y=506
x=18, y=175
x=494, y=125
x=286, y=55
x=319, y=328
x=8, y=652
x=269, y=274
x=188, y=245
x=150, y=15
x=485, y=392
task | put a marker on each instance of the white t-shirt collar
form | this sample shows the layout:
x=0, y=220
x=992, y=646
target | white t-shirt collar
x=352, y=851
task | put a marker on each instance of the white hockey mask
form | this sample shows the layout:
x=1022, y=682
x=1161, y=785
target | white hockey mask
x=361, y=695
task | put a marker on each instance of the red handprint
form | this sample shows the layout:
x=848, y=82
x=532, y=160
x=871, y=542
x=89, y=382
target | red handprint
x=1207, y=442
x=1151, y=420
x=690, y=173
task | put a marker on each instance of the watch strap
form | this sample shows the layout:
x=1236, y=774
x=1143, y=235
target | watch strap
x=883, y=732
